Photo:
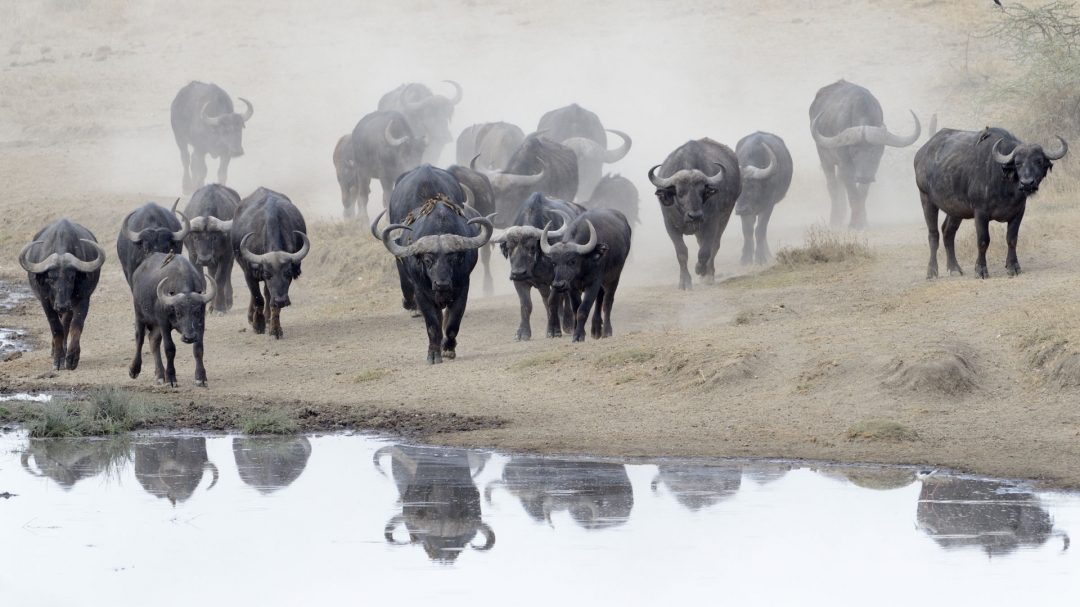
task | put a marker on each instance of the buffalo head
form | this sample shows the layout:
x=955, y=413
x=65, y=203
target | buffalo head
x=864, y=145
x=1027, y=164
x=158, y=240
x=686, y=192
x=521, y=245
x=433, y=111
x=186, y=309
x=57, y=272
x=276, y=269
x=440, y=255
x=208, y=234
x=228, y=128
x=569, y=258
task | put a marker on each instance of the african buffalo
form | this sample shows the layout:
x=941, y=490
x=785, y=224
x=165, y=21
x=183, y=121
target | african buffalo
x=170, y=294
x=269, y=463
x=211, y=210
x=538, y=165
x=982, y=175
x=70, y=460
x=591, y=268
x=596, y=495
x=591, y=158
x=269, y=240
x=614, y=191
x=529, y=267
x=172, y=467
x=150, y=229
x=483, y=200
x=63, y=263
x=697, y=187
x=697, y=487
x=435, y=251
x=581, y=130
x=384, y=148
x=428, y=114
x=765, y=166
x=440, y=503
x=494, y=142
x=572, y=121
x=202, y=117
x=848, y=126
x=347, y=176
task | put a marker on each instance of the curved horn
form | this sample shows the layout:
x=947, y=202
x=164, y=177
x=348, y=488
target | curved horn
x=881, y=136
x=511, y=179
x=375, y=234
x=246, y=253
x=393, y=247
x=163, y=297
x=660, y=182
x=128, y=233
x=467, y=243
x=715, y=180
x=585, y=249
x=472, y=163
x=753, y=172
x=249, y=111
x=469, y=198
x=207, y=296
x=849, y=136
x=489, y=537
x=611, y=156
x=87, y=266
x=217, y=225
x=456, y=99
x=999, y=157
x=211, y=120
x=42, y=266
x=214, y=471
x=387, y=450
x=544, y=246
x=199, y=224
x=182, y=234
x=297, y=256
x=25, y=461
x=1060, y=153
x=412, y=106
x=388, y=531
x=566, y=219
x=390, y=139
x=585, y=148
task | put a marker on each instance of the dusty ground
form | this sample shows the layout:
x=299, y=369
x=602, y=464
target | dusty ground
x=778, y=363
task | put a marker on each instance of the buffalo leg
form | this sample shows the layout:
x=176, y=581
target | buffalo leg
x=524, y=291
x=74, y=333
x=748, y=239
x=408, y=293
x=708, y=244
x=255, y=307
x=1011, y=263
x=568, y=303
x=155, y=349
x=609, y=300
x=198, y=169
x=363, y=192
x=587, y=300
x=554, y=305
x=387, y=188
x=454, y=313
x=136, y=362
x=170, y=356
x=857, y=193
x=223, y=169
x=836, y=194
x=56, y=326
x=597, y=321
x=948, y=229
x=485, y=258
x=930, y=213
x=682, y=254
x=275, y=322
x=433, y=322
x=200, y=370
x=982, y=231
x=223, y=298
x=185, y=159
x=762, y=254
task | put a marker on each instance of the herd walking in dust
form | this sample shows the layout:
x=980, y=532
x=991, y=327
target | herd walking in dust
x=542, y=197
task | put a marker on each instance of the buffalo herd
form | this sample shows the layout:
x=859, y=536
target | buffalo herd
x=542, y=197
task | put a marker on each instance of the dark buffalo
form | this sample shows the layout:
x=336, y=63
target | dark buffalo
x=539, y=165
x=530, y=268
x=482, y=198
x=170, y=294
x=269, y=240
x=849, y=129
x=765, y=166
x=269, y=463
x=70, y=460
x=591, y=268
x=493, y=142
x=614, y=191
x=990, y=515
x=591, y=158
x=347, y=176
x=981, y=175
x=63, y=264
x=173, y=467
x=581, y=130
x=211, y=210
x=697, y=487
x=202, y=117
x=428, y=114
x=572, y=121
x=384, y=148
x=440, y=503
x=697, y=187
x=436, y=251
x=596, y=495
x=147, y=230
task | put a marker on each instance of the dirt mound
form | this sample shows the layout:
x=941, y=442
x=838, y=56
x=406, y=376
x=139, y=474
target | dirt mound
x=714, y=371
x=761, y=314
x=881, y=429
x=1066, y=371
x=950, y=370
x=347, y=254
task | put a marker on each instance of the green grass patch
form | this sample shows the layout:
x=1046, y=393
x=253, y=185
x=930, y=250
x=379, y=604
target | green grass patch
x=552, y=357
x=4, y=413
x=882, y=429
x=370, y=375
x=274, y=421
x=623, y=357
x=104, y=412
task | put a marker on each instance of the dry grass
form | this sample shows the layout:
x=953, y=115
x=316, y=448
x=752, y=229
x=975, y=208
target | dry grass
x=882, y=429
x=274, y=421
x=823, y=245
x=552, y=357
x=623, y=357
x=370, y=375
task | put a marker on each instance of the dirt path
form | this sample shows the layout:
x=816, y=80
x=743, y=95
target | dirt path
x=775, y=364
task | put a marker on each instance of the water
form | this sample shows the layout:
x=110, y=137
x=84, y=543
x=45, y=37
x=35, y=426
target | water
x=11, y=340
x=179, y=520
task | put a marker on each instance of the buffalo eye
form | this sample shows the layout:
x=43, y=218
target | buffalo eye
x=708, y=192
x=666, y=196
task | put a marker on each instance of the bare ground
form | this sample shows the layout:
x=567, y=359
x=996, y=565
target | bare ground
x=774, y=363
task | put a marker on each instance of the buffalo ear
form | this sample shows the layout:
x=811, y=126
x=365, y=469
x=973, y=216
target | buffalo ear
x=1009, y=171
x=1049, y=166
x=600, y=250
x=296, y=270
x=666, y=196
x=505, y=250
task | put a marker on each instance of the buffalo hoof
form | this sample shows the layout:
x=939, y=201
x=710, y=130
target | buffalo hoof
x=161, y=381
x=746, y=259
x=981, y=272
x=931, y=273
x=72, y=362
x=220, y=312
x=554, y=334
x=58, y=366
x=708, y=279
x=276, y=333
x=523, y=335
x=449, y=354
x=579, y=337
x=133, y=372
x=201, y=383
x=434, y=358
x=1013, y=269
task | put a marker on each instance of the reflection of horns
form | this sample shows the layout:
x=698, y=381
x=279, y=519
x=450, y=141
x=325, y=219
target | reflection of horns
x=496, y=484
x=480, y=457
x=655, y=483
x=397, y=454
x=388, y=531
x=214, y=471
x=489, y=536
x=25, y=460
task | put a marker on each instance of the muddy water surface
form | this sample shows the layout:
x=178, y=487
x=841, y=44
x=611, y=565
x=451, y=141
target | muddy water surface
x=180, y=519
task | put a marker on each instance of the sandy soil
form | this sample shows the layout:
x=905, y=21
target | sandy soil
x=776, y=363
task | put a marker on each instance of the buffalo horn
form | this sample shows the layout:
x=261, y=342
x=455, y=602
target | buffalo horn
x=660, y=182
x=849, y=136
x=457, y=92
x=394, y=248
x=390, y=139
x=163, y=297
x=469, y=243
x=217, y=225
x=128, y=233
x=715, y=180
x=1002, y=158
x=297, y=256
x=753, y=172
x=566, y=219
x=611, y=156
x=470, y=200
x=87, y=266
x=182, y=234
x=375, y=234
x=1060, y=153
x=208, y=294
x=42, y=266
x=199, y=224
x=211, y=120
x=249, y=111
x=879, y=135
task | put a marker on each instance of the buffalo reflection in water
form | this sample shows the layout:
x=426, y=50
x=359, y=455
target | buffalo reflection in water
x=994, y=516
x=440, y=503
x=697, y=487
x=597, y=495
x=271, y=463
x=870, y=477
x=172, y=467
x=70, y=460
